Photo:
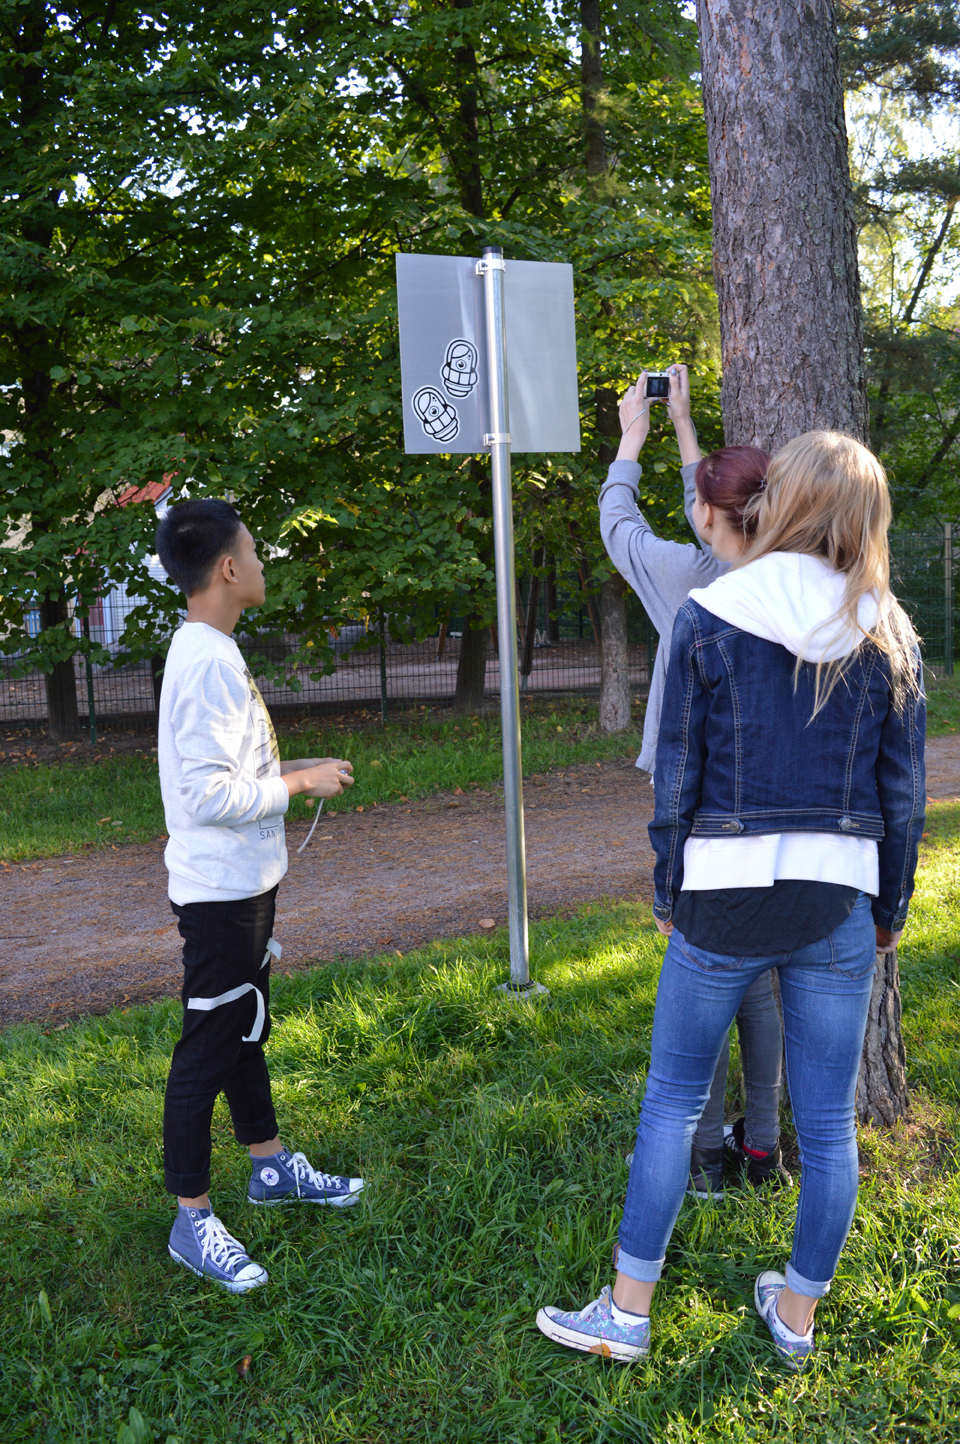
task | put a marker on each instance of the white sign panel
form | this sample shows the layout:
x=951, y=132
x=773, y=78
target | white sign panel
x=443, y=355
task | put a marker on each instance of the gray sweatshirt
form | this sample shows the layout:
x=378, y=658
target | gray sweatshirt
x=662, y=573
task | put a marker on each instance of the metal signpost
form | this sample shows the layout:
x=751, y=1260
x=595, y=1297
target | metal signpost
x=460, y=320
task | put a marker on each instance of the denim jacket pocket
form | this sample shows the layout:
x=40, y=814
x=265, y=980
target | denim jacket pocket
x=707, y=962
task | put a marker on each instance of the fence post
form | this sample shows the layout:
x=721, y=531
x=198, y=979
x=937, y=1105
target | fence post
x=383, y=672
x=91, y=709
x=948, y=599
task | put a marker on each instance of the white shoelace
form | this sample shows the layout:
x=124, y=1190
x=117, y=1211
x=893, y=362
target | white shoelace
x=302, y=1170
x=225, y=1251
x=591, y=1308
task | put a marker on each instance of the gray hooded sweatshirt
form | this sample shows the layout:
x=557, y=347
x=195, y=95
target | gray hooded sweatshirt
x=662, y=573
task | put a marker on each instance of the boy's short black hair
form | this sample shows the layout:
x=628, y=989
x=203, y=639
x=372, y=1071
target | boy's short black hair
x=192, y=538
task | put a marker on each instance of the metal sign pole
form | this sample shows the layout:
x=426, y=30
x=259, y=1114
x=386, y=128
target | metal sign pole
x=498, y=440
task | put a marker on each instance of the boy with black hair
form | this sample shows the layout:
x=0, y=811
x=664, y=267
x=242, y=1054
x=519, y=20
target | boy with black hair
x=225, y=791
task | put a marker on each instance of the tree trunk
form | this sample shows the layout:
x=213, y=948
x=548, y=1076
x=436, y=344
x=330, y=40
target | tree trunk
x=882, y=1085
x=784, y=232
x=471, y=669
x=591, y=92
x=552, y=605
x=60, y=685
x=614, y=678
x=785, y=264
x=157, y=663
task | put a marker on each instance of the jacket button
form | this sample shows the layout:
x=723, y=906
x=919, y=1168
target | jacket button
x=847, y=824
x=734, y=826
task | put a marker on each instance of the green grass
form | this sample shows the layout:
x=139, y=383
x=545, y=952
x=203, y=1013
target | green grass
x=50, y=810
x=491, y=1134
x=943, y=704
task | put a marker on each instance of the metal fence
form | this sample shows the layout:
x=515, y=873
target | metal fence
x=557, y=644
x=558, y=650
x=925, y=568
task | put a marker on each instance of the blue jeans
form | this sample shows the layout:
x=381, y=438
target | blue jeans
x=825, y=991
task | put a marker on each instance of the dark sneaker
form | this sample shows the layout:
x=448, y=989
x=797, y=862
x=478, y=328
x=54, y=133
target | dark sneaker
x=762, y=1168
x=706, y=1173
x=594, y=1331
x=199, y=1241
x=794, y=1348
x=289, y=1178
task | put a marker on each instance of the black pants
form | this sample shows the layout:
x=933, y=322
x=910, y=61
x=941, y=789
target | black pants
x=226, y=1021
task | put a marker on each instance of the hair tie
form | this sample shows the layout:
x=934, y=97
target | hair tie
x=763, y=485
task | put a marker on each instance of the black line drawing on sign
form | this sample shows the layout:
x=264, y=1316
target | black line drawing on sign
x=437, y=417
x=459, y=369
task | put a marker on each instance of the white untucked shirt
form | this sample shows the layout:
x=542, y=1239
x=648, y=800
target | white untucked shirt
x=223, y=796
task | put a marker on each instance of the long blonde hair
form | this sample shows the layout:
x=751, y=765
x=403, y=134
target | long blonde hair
x=827, y=496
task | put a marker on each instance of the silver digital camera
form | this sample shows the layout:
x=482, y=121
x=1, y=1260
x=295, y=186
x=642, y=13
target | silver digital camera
x=658, y=385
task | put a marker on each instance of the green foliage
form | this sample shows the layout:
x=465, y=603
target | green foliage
x=492, y=1137
x=906, y=168
x=198, y=282
x=906, y=48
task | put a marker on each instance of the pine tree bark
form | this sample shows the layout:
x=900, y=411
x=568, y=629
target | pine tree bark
x=785, y=265
x=784, y=232
x=882, y=1085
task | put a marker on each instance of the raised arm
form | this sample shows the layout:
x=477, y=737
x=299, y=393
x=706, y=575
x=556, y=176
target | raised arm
x=661, y=573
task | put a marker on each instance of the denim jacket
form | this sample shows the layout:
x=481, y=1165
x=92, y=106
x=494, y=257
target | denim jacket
x=739, y=753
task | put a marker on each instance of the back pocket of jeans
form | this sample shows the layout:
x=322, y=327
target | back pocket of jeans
x=854, y=968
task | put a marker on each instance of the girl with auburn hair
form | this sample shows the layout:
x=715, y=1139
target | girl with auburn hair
x=789, y=807
x=720, y=492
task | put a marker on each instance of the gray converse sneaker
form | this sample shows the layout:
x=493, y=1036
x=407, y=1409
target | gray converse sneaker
x=289, y=1178
x=594, y=1330
x=795, y=1349
x=199, y=1241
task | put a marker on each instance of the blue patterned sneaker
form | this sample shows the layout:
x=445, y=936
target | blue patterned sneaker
x=794, y=1348
x=594, y=1330
x=288, y=1178
x=199, y=1241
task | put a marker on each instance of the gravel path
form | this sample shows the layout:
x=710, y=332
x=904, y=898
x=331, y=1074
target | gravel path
x=84, y=934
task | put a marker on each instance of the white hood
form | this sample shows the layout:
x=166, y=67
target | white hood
x=793, y=599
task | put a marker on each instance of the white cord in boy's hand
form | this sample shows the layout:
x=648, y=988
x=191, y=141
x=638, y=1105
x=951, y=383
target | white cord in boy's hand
x=317, y=777
x=313, y=827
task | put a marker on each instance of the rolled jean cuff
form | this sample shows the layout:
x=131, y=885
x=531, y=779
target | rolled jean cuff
x=800, y=1285
x=260, y=1132
x=187, y=1185
x=645, y=1271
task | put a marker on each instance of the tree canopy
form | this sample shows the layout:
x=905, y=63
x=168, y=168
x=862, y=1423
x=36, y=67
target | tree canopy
x=202, y=205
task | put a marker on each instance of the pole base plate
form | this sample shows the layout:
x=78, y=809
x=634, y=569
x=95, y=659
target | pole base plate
x=523, y=991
